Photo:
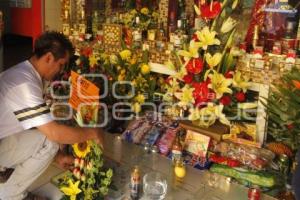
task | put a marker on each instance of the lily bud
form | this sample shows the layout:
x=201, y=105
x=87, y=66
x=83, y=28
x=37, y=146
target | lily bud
x=89, y=166
x=76, y=162
x=81, y=165
x=76, y=173
x=228, y=25
x=83, y=177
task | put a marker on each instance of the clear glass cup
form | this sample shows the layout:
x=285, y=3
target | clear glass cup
x=154, y=186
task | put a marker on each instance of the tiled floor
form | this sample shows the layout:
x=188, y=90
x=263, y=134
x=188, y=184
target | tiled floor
x=43, y=186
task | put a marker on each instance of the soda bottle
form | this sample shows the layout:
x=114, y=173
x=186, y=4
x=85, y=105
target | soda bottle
x=135, y=183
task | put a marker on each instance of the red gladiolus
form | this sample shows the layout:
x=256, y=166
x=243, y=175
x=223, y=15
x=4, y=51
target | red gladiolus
x=229, y=74
x=211, y=10
x=188, y=79
x=195, y=38
x=200, y=93
x=240, y=96
x=87, y=51
x=195, y=65
x=225, y=100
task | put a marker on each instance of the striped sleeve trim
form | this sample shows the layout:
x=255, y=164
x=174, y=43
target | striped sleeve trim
x=32, y=112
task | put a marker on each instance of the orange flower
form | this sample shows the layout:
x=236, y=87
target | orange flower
x=296, y=84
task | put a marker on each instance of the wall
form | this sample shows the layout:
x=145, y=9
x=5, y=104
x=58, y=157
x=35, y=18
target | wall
x=4, y=7
x=28, y=21
x=53, y=15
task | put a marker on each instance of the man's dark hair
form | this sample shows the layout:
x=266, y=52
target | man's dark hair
x=54, y=42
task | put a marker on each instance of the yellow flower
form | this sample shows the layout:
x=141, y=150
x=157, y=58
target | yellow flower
x=123, y=71
x=121, y=77
x=82, y=149
x=185, y=97
x=136, y=107
x=239, y=82
x=173, y=87
x=145, y=69
x=113, y=59
x=208, y=115
x=192, y=53
x=219, y=84
x=214, y=60
x=133, y=60
x=125, y=54
x=228, y=25
x=145, y=11
x=133, y=12
x=93, y=60
x=140, y=98
x=207, y=38
x=72, y=190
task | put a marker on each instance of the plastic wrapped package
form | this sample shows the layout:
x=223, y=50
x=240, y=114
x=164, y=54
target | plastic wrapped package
x=252, y=157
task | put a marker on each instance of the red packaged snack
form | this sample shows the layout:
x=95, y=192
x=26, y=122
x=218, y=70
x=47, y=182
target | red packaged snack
x=166, y=141
x=224, y=161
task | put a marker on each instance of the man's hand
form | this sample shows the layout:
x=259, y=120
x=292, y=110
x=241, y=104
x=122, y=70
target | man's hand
x=64, y=161
x=99, y=139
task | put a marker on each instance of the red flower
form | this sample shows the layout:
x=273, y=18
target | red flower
x=240, y=96
x=195, y=38
x=195, y=65
x=201, y=93
x=225, y=100
x=211, y=10
x=87, y=51
x=290, y=126
x=229, y=74
x=188, y=79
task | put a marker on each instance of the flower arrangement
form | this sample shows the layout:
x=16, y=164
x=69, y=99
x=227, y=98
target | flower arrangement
x=147, y=18
x=205, y=83
x=128, y=67
x=89, y=180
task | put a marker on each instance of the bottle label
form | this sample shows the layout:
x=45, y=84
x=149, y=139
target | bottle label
x=176, y=155
x=137, y=35
x=177, y=41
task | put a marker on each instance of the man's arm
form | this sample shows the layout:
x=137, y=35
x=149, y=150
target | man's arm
x=69, y=135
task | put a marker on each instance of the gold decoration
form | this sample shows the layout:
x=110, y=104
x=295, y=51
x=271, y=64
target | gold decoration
x=112, y=37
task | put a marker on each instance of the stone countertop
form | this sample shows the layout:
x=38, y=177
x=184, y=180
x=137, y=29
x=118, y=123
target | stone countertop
x=196, y=184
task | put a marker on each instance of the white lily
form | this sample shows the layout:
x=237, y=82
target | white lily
x=228, y=25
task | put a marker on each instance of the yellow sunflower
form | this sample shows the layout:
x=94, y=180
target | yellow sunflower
x=82, y=149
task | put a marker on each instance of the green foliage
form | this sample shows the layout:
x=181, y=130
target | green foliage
x=283, y=108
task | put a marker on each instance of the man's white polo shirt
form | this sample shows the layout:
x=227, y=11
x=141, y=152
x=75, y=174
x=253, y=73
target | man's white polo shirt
x=21, y=100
